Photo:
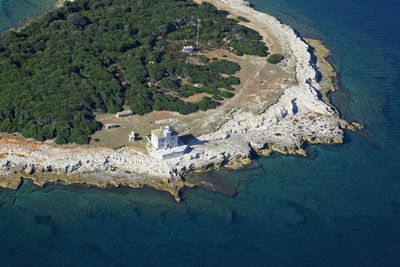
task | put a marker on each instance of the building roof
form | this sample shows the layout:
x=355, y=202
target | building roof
x=162, y=132
x=188, y=48
x=125, y=112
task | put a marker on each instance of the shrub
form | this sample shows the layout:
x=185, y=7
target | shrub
x=226, y=94
x=209, y=90
x=207, y=103
x=204, y=59
x=168, y=84
x=249, y=47
x=188, y=90
x=224, y=66
x=231, y=80
x=240, y=18
x=217, y=97
x=275, y=58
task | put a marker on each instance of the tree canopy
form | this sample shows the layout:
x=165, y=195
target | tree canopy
x=99, y=55
x=275, y=58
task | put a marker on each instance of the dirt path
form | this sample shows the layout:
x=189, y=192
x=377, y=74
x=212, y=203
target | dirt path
x=252, y=77
x=261, y=84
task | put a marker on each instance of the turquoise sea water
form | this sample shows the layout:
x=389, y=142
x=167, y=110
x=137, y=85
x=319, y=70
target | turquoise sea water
x=13, y=11
x=340, y=209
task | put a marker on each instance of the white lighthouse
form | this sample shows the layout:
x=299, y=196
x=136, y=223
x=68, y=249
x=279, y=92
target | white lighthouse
x=165, y=137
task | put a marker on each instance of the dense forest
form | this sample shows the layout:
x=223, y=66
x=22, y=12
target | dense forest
x=98, y=55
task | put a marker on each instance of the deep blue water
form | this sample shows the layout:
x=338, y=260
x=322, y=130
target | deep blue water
x=340, y=209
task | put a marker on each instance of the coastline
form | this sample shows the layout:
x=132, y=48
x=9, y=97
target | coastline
x=298, y=116
x=19, y=25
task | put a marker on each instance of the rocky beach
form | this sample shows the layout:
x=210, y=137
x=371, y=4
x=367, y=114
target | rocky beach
x=301, y=114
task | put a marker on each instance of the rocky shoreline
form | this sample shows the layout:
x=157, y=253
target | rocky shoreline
x=300, y=115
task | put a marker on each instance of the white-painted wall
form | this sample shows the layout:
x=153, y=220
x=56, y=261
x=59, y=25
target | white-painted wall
x=162, y=143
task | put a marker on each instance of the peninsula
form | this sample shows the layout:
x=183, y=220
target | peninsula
x=250, y=86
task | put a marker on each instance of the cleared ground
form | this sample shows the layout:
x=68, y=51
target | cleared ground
x=261, y=85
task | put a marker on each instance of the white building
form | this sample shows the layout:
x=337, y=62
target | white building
x=132, y=136
x=165, y=137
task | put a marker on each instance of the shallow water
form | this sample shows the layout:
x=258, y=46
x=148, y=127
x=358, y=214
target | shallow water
x=340, y=209
x=13, y=11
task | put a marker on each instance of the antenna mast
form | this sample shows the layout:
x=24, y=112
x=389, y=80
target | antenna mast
x=198, y=32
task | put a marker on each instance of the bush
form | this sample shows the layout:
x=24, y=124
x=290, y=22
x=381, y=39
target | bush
x=204, y=59
x=275, y=58
x=209, y=90
x=248, y=47
x=226, y=94
x=240, y=18
x=155, y=71
x=231, y=80
x=188, y=90
x=224, y=66
x=168, y=84
x=207, y=103
x=217, y=97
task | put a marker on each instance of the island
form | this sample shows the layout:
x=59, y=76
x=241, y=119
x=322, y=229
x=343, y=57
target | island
x=90, y=90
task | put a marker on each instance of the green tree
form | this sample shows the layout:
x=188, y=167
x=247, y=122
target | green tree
x=275, y=58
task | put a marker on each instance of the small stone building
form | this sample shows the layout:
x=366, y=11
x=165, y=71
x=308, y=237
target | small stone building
x=165, y=137
x=111, y=126
x=125, y=113
x=132, y=136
